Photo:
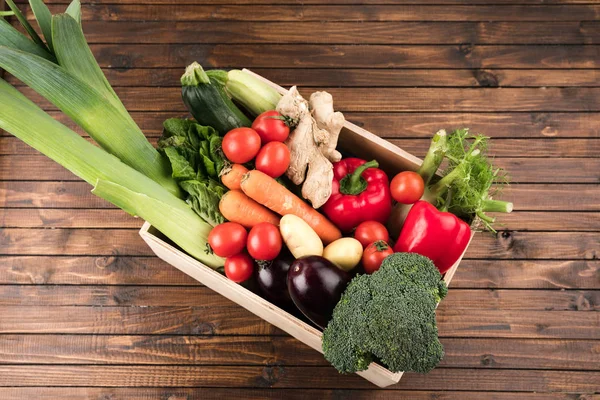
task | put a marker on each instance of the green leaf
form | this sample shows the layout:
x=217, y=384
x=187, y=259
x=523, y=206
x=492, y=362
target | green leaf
x=74, y=10
x=36, y=38
x=44, y=19
x=113, y=130
x=182, y=170
x=204, y=200
x=10, y=37
x=6, y=13
x=143, y=197
x=74, y=54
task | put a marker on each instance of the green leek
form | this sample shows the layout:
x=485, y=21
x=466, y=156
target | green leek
x=74, y=10
x=114, y=130
x=142, y=196
x=25, y=24
x=10, y=37
x=44, y=19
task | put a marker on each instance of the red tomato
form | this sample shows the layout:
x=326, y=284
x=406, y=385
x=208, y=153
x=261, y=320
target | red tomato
x=264, y=241
x=374, y=255
x=227, y=239
x=273, y=159
x=371, y=231
x=407, y=187
x=271, y=127
x=241, y=145
x=239, y=268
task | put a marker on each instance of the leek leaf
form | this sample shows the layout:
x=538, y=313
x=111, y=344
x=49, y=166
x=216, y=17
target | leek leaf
x=112, y=129
x=74, y=10
x=44, y=19
x=12, y=38
x=179, y=223
x=36, y=38
x=146, y=198
x=6, y=13
x=74, y=54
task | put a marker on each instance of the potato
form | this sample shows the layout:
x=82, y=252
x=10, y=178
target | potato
x=345, y=253
x=299, y=237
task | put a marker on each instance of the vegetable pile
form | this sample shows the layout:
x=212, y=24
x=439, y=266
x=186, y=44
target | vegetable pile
x=255, y=183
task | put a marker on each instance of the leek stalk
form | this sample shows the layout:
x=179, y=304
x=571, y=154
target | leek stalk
x=111, y=127
x=255, y=95
x=114, y=180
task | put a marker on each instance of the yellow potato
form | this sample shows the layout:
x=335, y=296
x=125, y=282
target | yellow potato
x=345, y=253
x=299, y=237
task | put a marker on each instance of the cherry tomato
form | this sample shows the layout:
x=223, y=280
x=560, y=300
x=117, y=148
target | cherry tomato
x=371, y=231
x=239, y=268
x=264, y=241
x=271, y=127
x=374, y=255
x=241, y=145
x=407, y=187
x=273, y=159
x=227, y=239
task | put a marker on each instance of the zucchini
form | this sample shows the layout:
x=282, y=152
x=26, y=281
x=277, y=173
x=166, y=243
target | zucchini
x=206, y=99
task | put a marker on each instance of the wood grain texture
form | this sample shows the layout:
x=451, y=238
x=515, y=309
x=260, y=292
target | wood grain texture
x=89, y=393
x=300, y=13
x=88, y=313
x=286, y=377
x=280, y=350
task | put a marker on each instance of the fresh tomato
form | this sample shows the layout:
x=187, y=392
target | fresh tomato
x=264, y=241
x=239, y=268
x=271, y=127
x=227, y=239
x=371, y=231
x=241, y=145
x=374, y=255
x=407, y=187
x=273, y=159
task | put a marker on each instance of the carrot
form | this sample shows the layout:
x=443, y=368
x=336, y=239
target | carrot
x=271, y=194
x=233, y=176
x=237, y=207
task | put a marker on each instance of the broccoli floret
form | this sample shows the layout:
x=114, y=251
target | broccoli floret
x=389, y=316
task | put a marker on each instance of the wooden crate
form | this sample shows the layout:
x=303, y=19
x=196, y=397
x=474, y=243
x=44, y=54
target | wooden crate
x=354, y=140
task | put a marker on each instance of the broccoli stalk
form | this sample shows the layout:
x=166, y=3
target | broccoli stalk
x=388, y=316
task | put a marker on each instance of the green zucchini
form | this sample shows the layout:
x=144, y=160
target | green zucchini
x=206, y=99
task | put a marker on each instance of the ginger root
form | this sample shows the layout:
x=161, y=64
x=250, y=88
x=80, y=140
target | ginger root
x=312, y=143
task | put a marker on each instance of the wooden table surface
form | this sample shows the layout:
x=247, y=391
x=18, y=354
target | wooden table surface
x=87, y=312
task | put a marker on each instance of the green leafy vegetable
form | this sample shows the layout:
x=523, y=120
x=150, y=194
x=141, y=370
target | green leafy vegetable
x=74, y=10
x=10, y=37
x=196, y=158
x=44, y=19
x=23, y=21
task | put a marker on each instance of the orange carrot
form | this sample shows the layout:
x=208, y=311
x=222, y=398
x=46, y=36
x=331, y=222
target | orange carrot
x=237, y=207
x=271, y=194
x=233, y=176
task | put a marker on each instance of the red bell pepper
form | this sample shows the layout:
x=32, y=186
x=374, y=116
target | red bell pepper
x=360, y=192
x=440, y=236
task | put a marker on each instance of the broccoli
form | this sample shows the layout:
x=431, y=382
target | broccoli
x=388, y=316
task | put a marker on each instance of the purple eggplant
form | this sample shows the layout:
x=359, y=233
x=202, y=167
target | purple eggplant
x=272, y=279
x=316, y=285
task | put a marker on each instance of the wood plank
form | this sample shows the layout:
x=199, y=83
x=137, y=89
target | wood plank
x=114, y=218
x=87, y=393
x=261, y=350
x=393, y=99
x=107, y=242
x=359, y=56
x=520, y=169
x=311, y=2
x=122, y=270
x=234, y=320
x=157, y=296
x=251, y=32
x=317, y=12
x=499, y=147
x=423, y=125
x=67, y=218
x=292, y=377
